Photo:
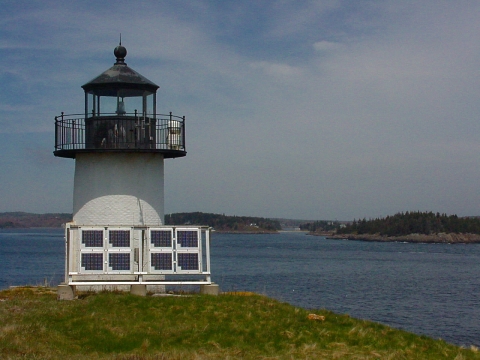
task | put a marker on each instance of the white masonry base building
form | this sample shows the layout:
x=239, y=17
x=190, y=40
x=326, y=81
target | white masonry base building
x=122, y=255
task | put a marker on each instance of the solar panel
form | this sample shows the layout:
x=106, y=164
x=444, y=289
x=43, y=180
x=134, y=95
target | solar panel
x=92, y=261
x=161, y=238
x=187, y=261
x=161, y=261
x=119, y=238
x=187, y=238
x=92, y=238
x=119, y=261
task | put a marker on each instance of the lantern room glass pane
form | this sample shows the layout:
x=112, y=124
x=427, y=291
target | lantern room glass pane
x=149, y=104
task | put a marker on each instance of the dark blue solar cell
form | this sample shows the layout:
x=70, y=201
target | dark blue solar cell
x=119, y=261
x=188, y=261
x=187, y=238
x=93, y=261
x=119, y=238
x=161, y=238
x=161, y=261
x=92, y=238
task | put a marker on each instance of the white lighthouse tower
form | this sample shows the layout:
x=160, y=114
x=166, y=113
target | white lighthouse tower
x=118, y=236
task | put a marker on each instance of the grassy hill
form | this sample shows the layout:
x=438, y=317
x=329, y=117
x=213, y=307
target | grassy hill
x=34, y=325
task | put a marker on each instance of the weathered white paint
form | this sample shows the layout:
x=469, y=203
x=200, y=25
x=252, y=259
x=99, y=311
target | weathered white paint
x=118, y=189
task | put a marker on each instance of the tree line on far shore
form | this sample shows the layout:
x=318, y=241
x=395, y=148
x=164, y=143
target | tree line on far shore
x=217, y=221
x=222, y=222
x=20, y=219
x=414, y=222
x=320, y=226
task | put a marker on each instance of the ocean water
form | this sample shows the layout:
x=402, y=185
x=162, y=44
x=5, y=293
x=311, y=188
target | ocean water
x=429, y=289
x=31, y=257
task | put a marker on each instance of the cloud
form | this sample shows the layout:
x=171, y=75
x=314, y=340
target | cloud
x=275, y=69
x=326, y=46
x=306, y=110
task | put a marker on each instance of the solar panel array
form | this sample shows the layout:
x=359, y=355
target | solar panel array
x=112, y=250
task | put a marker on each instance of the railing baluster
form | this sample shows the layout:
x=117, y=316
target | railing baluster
x=183, y=133
x=73, y=135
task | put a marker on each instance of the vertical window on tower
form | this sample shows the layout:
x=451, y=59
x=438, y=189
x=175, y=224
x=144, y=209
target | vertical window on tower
x=92, y=238
x=119, y=238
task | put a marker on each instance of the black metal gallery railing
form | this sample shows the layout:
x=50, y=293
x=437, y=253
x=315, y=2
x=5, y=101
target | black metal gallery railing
x=120, y=132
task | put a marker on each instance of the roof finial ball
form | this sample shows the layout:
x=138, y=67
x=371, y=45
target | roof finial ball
x=120, y=52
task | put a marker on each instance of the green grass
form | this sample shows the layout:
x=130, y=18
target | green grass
x=34, y=325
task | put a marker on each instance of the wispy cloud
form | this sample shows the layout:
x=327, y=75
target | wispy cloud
x=327, y=109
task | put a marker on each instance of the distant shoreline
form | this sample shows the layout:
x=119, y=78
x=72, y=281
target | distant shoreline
x=440, y=238
x=244, y=232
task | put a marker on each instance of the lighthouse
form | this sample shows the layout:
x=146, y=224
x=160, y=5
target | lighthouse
x=119, y=145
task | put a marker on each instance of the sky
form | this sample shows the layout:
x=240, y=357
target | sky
x=319, y=110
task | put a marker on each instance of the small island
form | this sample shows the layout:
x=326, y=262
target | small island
x=415, y=227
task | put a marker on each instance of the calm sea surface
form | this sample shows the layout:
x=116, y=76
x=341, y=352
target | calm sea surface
x=430, y=289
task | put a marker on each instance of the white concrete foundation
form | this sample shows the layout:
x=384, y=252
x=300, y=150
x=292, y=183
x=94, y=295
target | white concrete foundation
x=65, y=292
x=138, y=289
x=212, y=289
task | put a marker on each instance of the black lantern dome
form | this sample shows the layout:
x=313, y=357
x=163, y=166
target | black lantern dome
x=120, y=77
x=120, y=116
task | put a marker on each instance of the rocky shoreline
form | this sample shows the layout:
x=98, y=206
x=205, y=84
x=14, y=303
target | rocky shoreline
x=440, y=238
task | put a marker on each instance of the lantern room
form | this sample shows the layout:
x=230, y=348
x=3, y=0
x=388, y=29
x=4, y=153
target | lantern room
x=120, y=116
